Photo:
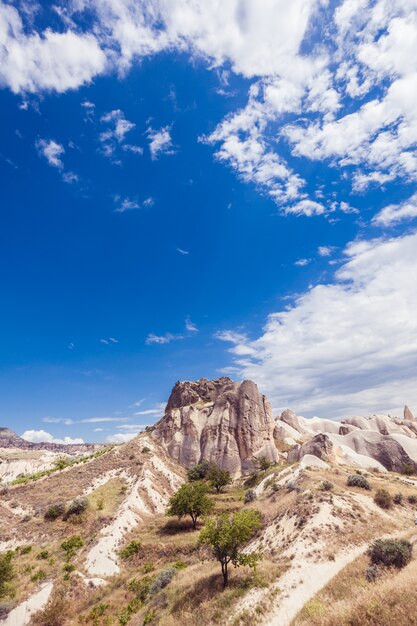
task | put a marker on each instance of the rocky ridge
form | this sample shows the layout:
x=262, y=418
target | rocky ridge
x=224, y=422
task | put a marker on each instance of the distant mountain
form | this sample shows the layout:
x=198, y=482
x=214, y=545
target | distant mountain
x=9, y=439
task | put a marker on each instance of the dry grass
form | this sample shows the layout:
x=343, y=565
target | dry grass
x=349, y=600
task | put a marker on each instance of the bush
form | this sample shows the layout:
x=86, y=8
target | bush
x=39, y=576
x=390, y=552
x=140, y=587
x=68, y=568
x=162, y=580
x=264, y=463
x=250, y=496
x=357, y=480
x=71, y=545
x=131, y=549
x=55, y=511
x=398, y=498
x=326, y=485
x=145, y=449
x=6, y=572
x=199, y=471
x=148, y=567
x=179, y=565
x=372, y=573
x=44, y=554
x=77, y=506
x=383, y=499
x=412, y=499
x=408, y=469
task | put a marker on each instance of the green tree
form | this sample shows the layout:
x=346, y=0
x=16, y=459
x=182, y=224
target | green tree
x=226, y=535
x=6, y=572
x=199, y=471
x=218, y=478
x=191, y=499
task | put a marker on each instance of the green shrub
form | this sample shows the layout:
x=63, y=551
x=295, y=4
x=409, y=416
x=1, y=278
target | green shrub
x=96, y=612
x=162, y=580
x=199, y=471
x=383, y=499
x=357, y=480
x=55, y=511
x=6, y=573
x=68, y=568
x=408, y=469
x=44, y=554
x=69, y=546
x=77, y=506
x=131, y=549
x=25, y=549
x=398, y=498
x=148, y=567
x=264, y=463
x=140, y=587
x=145, y=449
x=179, y=565
x=250, y=496
x=390, y=552
x=39, y=576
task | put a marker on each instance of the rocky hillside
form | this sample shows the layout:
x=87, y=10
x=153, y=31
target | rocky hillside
x=227, y=423
x=379, y=441
x=91, y=543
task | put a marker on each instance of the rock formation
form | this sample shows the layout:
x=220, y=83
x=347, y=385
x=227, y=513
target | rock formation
x=227, y=423
x=408, y=414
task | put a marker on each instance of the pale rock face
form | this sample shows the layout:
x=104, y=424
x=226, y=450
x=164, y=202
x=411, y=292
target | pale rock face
x=221, y=421
x=408, y=414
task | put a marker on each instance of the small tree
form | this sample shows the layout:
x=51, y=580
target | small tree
x=191, y=499
x=218, y=478
x=6, y=572
x=226, y=535
x=390, y=552
x=264, y=463
x=199, y=471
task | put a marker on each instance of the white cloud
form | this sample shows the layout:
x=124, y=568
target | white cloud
x=127, y=205
x=52, y=151
x=160, y=142
x=190, y=326
x=395, y=213
x=98, y=420
x=51, y=61
x=325, y=251
x=121, y=437
x=162, y=339
x=345, y=347
x=58, y=420
x=302, y=262
x=42, y=436
x=114, y=135
x=182, y=251
x=158, y=409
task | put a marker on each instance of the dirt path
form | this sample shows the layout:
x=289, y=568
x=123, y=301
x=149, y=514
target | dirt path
x=300, y=584
x=22, y=614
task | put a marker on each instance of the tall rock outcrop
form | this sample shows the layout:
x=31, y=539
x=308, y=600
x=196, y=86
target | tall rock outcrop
x=224, y=422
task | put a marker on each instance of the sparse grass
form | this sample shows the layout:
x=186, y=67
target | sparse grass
x=349, y=600
x=107, y=498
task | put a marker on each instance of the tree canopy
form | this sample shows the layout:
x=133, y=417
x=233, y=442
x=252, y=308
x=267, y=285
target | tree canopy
x=218, y=478
x=191, y=499
x=226, y=535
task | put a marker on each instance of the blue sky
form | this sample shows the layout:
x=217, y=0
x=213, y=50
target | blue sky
x=194, y=189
